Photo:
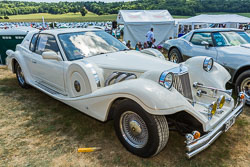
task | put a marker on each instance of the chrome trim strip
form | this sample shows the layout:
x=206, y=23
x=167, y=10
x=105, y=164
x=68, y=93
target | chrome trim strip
x=90, y=66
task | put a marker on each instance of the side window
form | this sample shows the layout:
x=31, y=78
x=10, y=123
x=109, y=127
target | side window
x=33, y=43
x=46, y=43
x=199, y=37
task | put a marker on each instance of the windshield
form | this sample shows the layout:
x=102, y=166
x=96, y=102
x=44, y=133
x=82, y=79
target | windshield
x=228, y=39
x=244, y=35
x=85, y=44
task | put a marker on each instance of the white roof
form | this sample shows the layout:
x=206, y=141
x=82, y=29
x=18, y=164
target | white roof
x=144, y=16
x=68, y=30
x=16, y=31
x=225, y=18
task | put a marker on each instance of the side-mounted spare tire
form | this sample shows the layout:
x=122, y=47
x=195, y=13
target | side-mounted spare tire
x=141, y=133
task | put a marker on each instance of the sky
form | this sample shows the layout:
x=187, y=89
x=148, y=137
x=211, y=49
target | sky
x=73, y=0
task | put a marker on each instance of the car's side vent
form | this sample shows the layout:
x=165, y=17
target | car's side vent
x=116, y=77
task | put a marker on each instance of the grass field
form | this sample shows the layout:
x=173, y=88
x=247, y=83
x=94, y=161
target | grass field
x=36, y=130
x=71, y=17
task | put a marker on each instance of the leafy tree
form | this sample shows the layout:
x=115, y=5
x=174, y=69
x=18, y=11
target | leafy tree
x=83, y=11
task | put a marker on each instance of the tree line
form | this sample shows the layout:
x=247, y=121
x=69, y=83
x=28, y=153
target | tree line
x=175, y=7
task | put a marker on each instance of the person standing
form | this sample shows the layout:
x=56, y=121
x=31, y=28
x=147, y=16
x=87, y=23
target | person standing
x=150, y=37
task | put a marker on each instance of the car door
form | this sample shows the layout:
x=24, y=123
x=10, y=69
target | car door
x=198, y=47
x=48, y=72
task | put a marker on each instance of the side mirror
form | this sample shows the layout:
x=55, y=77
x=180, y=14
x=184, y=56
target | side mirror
x=51, y=55
x=206, y=44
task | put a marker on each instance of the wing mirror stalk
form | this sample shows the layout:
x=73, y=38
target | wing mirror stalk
x=206, y=44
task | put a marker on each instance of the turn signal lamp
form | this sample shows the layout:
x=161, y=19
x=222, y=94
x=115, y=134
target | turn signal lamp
x=196, y=134
x=242, y=96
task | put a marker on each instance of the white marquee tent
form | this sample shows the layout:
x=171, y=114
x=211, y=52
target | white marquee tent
x=138, y=22
x=231, y=20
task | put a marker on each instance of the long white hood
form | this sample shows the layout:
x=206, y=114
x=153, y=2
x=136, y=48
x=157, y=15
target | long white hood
x=130, y=61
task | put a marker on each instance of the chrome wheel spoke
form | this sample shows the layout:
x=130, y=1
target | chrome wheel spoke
x=20, y=75
x=245, y=84
x=134, y=129
x=174, y=58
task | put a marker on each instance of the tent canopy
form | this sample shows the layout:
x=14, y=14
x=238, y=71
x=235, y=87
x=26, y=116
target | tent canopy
x=143, y=16
x=138, y=22
x=225, y=18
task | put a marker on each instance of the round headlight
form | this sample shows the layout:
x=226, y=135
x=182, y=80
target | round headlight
x=167, y=79
x=221, y=101
x=208, y=64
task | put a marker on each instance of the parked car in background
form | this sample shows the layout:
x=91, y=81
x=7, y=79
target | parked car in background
x=228, y=47
x=144, y=94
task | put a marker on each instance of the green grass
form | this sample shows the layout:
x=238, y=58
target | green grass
x=69, y=17
x=77, y=17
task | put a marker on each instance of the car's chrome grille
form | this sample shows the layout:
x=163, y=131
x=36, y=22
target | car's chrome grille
x=182, y=85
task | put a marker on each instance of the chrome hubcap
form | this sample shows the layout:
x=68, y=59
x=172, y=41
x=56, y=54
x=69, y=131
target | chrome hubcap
x=174, y=58
x=134, y=129
x=20, y=75
x=245, y=85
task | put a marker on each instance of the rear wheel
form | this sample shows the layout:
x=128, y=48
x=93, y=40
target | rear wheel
x=175, y=56
x=20, y=76
x=141, y=133
x=243, y=83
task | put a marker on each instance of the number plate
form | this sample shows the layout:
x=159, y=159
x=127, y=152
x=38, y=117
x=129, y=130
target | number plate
x=229, y=123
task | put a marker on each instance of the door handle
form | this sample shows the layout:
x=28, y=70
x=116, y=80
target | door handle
x=33, y=61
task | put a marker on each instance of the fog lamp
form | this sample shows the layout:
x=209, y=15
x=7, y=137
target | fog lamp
x=196, y=134
x=221, y=101
x=212, y=110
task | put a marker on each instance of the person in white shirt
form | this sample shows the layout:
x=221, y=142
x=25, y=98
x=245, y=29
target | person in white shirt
x=150, y=37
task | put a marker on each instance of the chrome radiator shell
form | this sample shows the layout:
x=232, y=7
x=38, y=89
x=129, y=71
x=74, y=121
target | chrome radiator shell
x=182, y=84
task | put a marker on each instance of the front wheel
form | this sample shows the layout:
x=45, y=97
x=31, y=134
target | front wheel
x=243, y=83
x=141, y=133
x=175, y=56
x=20, y=76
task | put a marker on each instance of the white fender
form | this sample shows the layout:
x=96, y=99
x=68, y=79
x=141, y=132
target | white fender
x=153, y=52
x=217, y=77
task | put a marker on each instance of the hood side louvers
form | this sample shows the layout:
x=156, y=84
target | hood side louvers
x=116, y=77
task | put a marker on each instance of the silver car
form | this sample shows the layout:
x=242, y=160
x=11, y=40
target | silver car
x=228, y=47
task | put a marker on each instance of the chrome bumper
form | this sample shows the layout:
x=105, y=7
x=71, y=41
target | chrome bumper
x=205, y=141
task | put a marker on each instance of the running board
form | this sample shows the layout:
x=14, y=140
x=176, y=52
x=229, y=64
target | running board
x=47, y=89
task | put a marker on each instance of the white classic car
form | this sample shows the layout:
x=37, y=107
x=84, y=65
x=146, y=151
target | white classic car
x=144, y=94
